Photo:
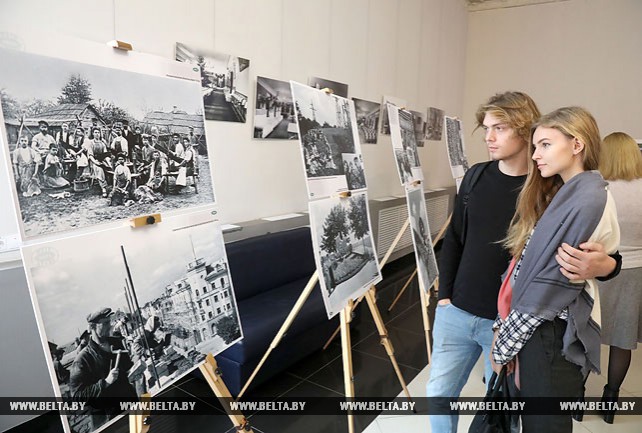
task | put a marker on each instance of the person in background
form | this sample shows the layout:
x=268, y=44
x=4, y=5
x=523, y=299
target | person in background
x=25, y=168
x=122, y=182
x=98, y=157
x=621, y=298
x=42, y=141
x=547, y=321
x=473, y=259
x=52, y=170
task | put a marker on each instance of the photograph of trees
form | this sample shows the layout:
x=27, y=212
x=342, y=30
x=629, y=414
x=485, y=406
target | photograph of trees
x=344, y=249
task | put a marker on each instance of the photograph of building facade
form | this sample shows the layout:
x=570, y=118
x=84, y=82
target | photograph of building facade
x=160, y=299
x=404, y=145
x=455, y=145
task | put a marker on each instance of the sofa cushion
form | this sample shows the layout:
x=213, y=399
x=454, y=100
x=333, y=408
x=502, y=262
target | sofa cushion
x=263, y=314
x=263, y=263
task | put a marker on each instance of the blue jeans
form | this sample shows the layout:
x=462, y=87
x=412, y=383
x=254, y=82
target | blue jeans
x=458, y=339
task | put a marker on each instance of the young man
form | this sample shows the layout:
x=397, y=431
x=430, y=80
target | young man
x=42, y=141
x=473, y=259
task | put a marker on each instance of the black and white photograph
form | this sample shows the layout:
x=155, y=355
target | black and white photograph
x=344, y=249
x=367, y=114
x=420, y=127
x=274, y=110
x=455, y=143
x=329, y=141
x=339, y=89
x=225, y=82
x=135, y=315
x=421, y=239
x=434, y=124
x=385, y=121
x=404, y=145
x=88, y=145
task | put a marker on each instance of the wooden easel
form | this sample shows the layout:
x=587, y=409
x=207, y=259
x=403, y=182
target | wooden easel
x=344, y=327
x=436, y=284
x=140, y=423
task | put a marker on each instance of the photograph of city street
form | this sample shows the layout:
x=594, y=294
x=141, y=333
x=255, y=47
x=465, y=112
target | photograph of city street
x=420, y=127
x=421, y=239
x=385, y=125
x=344, y=249
x=339, y=89
x=225, y=81
x=329, y=141
x=87, y=145
x=367, y=114
x=274, y=112
x=134, y=316
x=434, y=124
x=455, y=143
x=404, y=145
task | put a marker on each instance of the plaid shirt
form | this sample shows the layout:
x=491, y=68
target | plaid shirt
x=518, y=327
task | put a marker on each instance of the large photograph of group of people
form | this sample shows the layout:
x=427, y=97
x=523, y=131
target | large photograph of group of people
x=87, y=144
x=135, y=315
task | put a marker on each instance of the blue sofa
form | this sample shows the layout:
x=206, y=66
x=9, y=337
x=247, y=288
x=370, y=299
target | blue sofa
x=269, y=272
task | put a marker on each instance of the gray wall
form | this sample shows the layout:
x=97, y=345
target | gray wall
x=24, y=371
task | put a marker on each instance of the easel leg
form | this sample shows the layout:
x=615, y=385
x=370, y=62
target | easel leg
x=140, y=423
x=210, y=371
x=403, y=289
x=434, y=242
x=286, y=325
x=425, y=303
x=382, y=263
x=385, y=341
x=346, y=346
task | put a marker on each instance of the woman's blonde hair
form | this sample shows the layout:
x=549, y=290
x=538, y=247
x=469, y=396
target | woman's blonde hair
x=516, y=109
x=538, y=191
x=620, y=157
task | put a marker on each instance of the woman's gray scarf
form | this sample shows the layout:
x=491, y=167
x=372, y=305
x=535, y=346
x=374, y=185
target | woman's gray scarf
x=540, y=288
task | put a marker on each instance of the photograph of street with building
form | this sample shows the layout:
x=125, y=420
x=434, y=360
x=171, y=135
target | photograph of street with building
x=421, y=239
x=225, y=81
x=274, y=110
x=434, y=124
x=419, y=120
x=455, y=144
x=367, y=114
x=385, y=120
x=329, y=141
x=135, y=315
x=404, y=145
x=343, y=249
x=87, y=145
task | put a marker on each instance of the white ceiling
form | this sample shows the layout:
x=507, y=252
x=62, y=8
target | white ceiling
x=480, y=5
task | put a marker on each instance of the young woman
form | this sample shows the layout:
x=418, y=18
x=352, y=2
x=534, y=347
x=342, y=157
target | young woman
x=621, y=299
x=545, y=321
x=53, y=170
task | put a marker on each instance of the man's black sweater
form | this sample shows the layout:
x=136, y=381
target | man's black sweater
x=470, y=272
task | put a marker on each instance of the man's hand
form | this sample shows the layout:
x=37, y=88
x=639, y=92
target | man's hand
x=589, y=261
x=112, y=376
x=444, y=301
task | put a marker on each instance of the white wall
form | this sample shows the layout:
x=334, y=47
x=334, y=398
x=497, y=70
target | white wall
x=577, y=52
x=412, y=49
